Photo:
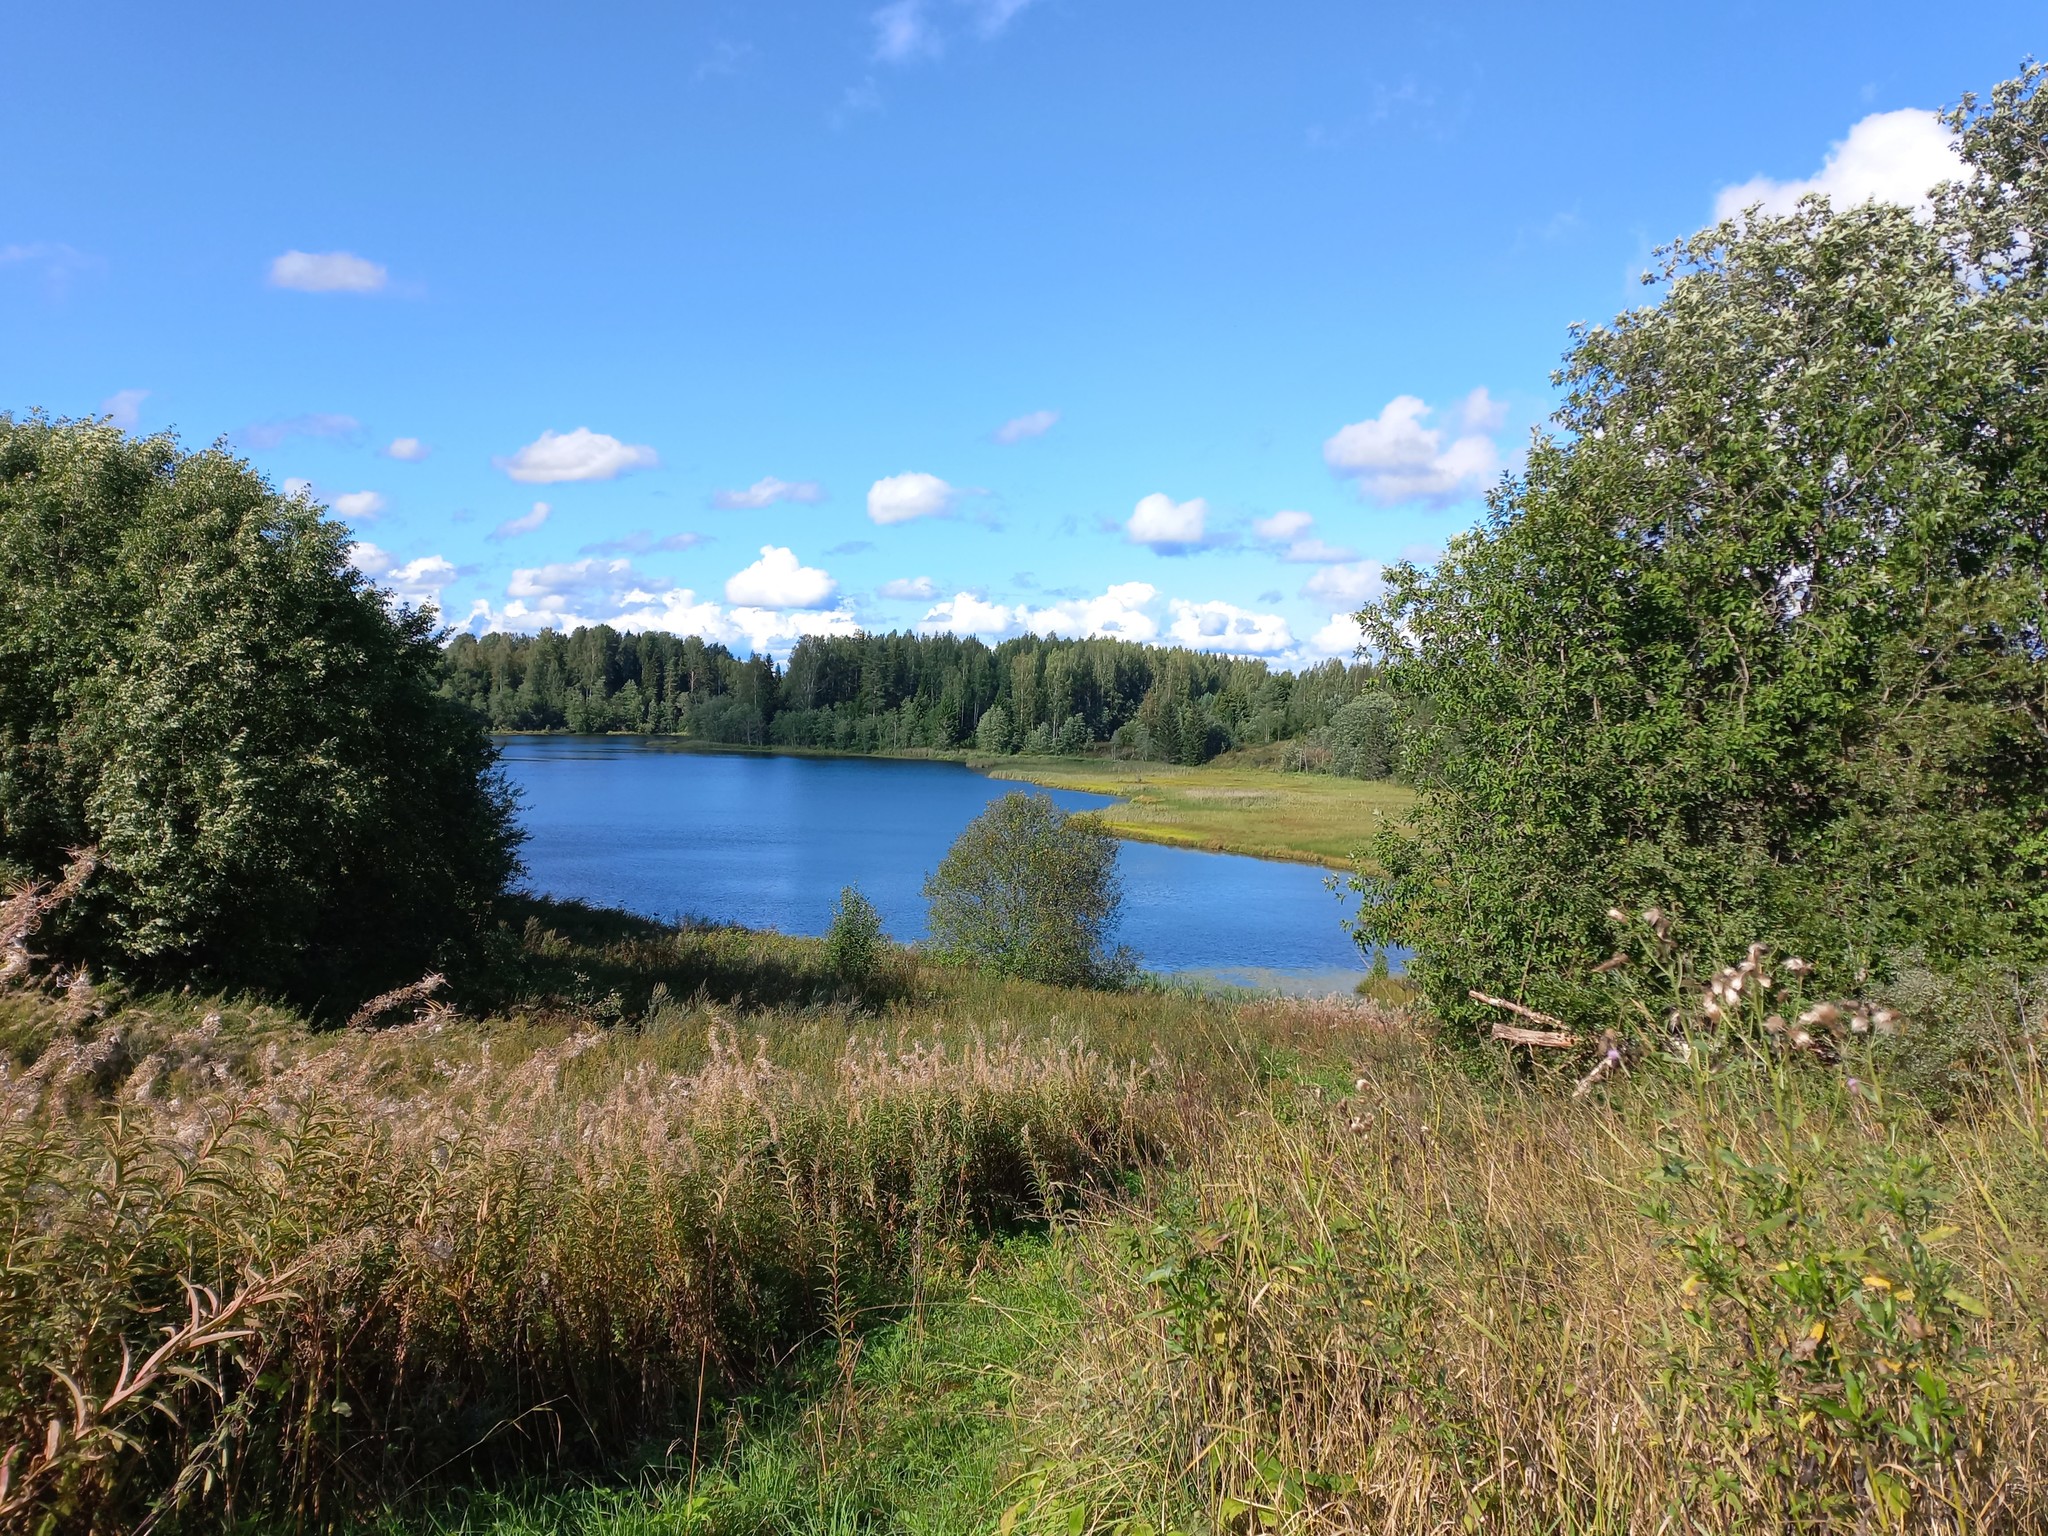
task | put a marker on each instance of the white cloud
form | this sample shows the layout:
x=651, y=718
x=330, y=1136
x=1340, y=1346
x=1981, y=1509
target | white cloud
x=124, y=407
x=1352, y=585
x=301, y=490
x=1342, y=636
x=358, y=506
x=1480, y=412
x=966, y=614
x=413, y=582
x=1287, y=535
x=1396, y=458
x=514, y=527
x=327, y=272
x=327, y=424
x=779, y=580
x=554, y=457
x=904, y=31
x=1120, y=611
x=906, y=588
x=766, y=491
x=407, y=450
x=1224, y=627
x=1032, y=424
x=899, y=498
x=1169, y=527
x=1282, y=526
x=584, y=592
x=1888, y=157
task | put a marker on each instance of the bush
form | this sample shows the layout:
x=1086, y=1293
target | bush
x=855, y=941
x=1758, y=635
x=193, y=679
x=1030, y=891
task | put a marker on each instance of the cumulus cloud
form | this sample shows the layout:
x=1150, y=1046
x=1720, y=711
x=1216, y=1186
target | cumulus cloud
x=1287, y=535
x=1480, y=412
x=1169, y=527
x=1032, y=424
x=1352, y=585
x=1224, y=627
x=554, y=457
x=407, y=450
x=767, y=491
x=416, y=583
x=1342, y=636
x=326, y=424
x=525, y=523
x=584, y=592
x=357, y=506
x=1120, y=611
x=124, y=407
x=1888, y=157
x=907, y=588
x=899, y=498
x=779, y=580
x=298, y=489
x=327, y=272
x=1396, y=458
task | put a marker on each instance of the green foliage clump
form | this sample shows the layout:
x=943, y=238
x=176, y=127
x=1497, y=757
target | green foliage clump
x=1029, y=891
x=855, y=943
x=194, y=679
x=1759, y=636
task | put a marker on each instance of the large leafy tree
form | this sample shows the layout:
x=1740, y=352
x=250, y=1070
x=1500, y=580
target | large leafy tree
x=193, y=678
x=1028, y=890
x=1758, y=633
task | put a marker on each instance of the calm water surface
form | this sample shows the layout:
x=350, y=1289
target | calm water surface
x=768, y=842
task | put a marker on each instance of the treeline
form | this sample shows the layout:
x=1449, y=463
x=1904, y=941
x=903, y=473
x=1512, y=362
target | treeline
x=899, y=692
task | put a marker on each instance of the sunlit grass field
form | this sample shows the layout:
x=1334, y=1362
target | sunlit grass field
x=1314, y=818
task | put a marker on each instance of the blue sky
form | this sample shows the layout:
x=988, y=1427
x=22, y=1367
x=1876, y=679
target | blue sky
x=1173, y=321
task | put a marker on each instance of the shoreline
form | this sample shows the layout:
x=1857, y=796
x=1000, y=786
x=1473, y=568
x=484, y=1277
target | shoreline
x=1205, y=809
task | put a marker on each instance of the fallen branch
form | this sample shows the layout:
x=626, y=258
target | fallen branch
x=1557, y=1033
x=1552, y=1039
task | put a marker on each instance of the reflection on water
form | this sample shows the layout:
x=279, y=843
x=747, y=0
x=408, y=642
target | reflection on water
x=768, y=841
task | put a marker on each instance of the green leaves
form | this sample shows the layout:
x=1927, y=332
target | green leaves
x=1758, y=635
x=1030, y=891
x=193, y=678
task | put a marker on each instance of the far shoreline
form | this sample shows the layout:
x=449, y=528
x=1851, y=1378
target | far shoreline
x=1253, y=812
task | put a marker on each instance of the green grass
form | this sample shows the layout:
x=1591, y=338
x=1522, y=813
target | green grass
x=906, y=1428
x=1308, y=817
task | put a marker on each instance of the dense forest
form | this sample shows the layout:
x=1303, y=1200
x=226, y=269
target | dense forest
x=902, y=692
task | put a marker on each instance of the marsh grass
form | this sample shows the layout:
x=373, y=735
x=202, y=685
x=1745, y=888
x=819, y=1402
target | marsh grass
x=455, y=1249
x=1742, y=1292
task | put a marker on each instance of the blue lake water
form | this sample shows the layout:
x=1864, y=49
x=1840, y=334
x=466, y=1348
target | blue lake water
x=768, y=842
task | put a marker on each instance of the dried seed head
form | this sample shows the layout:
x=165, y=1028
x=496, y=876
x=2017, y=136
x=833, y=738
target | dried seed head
x=1823, y=1015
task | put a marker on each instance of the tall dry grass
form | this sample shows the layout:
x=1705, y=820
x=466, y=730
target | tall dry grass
x=1747, y=1292
x=250, y=1268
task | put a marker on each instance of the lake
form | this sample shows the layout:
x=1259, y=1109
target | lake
x=768, y=841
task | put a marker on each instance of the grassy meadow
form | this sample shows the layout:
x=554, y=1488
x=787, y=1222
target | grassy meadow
x=1225, y=806
x=668, y=1232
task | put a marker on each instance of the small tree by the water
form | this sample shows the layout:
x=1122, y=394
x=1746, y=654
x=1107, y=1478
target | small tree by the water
x=853, y=944
x=1030, y=891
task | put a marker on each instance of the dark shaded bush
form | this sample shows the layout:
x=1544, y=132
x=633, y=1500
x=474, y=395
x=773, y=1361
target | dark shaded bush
x=194, y=679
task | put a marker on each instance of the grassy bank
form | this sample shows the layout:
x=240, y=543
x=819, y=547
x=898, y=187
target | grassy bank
x=1312, y=818
x=674, y=1235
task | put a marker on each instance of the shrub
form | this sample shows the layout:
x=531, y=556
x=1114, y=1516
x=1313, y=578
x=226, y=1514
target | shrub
x=1030, y=891
x=855, y=942
x=194, y=679
x=1758, y=634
